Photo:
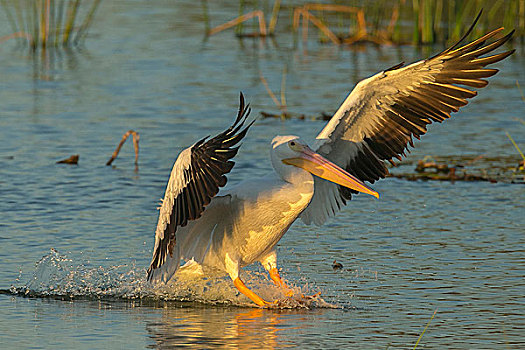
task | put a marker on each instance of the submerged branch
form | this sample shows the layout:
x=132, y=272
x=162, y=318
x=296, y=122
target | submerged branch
x=135, y=146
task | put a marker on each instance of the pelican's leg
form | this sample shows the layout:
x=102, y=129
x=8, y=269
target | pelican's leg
x=270, y=264
x=232, y=267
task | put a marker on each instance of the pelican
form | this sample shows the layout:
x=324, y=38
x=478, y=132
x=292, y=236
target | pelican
x=228, y=229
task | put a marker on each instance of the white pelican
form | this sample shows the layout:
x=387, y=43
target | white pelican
x=376, y=122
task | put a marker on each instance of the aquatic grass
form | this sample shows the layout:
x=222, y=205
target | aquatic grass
x=206, y=16
x=239, y=26
x=424, y=330
x=49, y=23
x=421, y=22
x=515, y=145
x=521, y=91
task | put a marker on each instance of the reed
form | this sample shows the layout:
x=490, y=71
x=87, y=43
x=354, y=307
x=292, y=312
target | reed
x=515, y=146
x=424, y=330
x=280, y=104
x=420, y=22
x=275, y=14
x=136, y=138
x=42, y=24
x=521, y=91
x=446, y=20
x=239, y=20
x=205, y=15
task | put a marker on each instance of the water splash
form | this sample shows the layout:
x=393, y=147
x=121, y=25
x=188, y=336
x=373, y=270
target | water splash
x=57, y=276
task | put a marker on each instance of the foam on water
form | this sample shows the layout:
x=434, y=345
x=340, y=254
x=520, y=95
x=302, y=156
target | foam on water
x=58, y=276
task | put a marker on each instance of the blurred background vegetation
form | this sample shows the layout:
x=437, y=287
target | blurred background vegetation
x=379, y=21
x=41, y=24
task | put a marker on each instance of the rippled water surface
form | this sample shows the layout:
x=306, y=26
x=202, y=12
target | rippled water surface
x=77, y=239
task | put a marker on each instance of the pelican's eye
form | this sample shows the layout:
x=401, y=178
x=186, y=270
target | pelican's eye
x=294, y=145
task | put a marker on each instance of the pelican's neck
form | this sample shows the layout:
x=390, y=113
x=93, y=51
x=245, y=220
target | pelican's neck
x=292, y=174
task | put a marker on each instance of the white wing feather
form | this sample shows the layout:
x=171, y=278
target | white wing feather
x=378, y=119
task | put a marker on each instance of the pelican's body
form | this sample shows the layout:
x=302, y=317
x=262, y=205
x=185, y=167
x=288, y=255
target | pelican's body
x=245, y=222
x=240, y=225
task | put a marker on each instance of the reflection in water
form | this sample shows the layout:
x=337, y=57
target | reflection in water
x=204, y=327
x=49, y=63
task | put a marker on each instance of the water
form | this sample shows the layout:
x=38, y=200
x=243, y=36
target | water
x=77, y=239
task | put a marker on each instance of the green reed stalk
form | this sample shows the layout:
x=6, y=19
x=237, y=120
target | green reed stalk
x=450, y=18
x=51, y=23
x=416, y=34
x=205, y=15
x=437, y=26
x=70, y=21
x=427, y=35
x=424, y=330
x=239, y=27
x=34, y=20
x=460, y=19
x=58, y=22
x=521, y=20
x=509, y=19
x=515, y=145
x=494, y=10
x=44, y=21
x=87, y=21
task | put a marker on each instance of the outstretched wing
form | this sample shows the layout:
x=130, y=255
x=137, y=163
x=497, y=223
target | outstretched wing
x=195, y=179
x=378, y=119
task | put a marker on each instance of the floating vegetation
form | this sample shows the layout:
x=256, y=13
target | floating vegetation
x=461, y=168
x=43, y=24
x=136, y=138
x=71, y=160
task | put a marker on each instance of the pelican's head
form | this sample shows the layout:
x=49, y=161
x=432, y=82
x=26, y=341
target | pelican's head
x=292, y=151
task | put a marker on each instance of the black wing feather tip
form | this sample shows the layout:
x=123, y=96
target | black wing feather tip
x=210, y=161
x=433, y=102
x=467, y=33
x=241, y=114
x=397, y=66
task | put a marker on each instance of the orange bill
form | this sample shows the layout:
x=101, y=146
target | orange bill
x=319, y=166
